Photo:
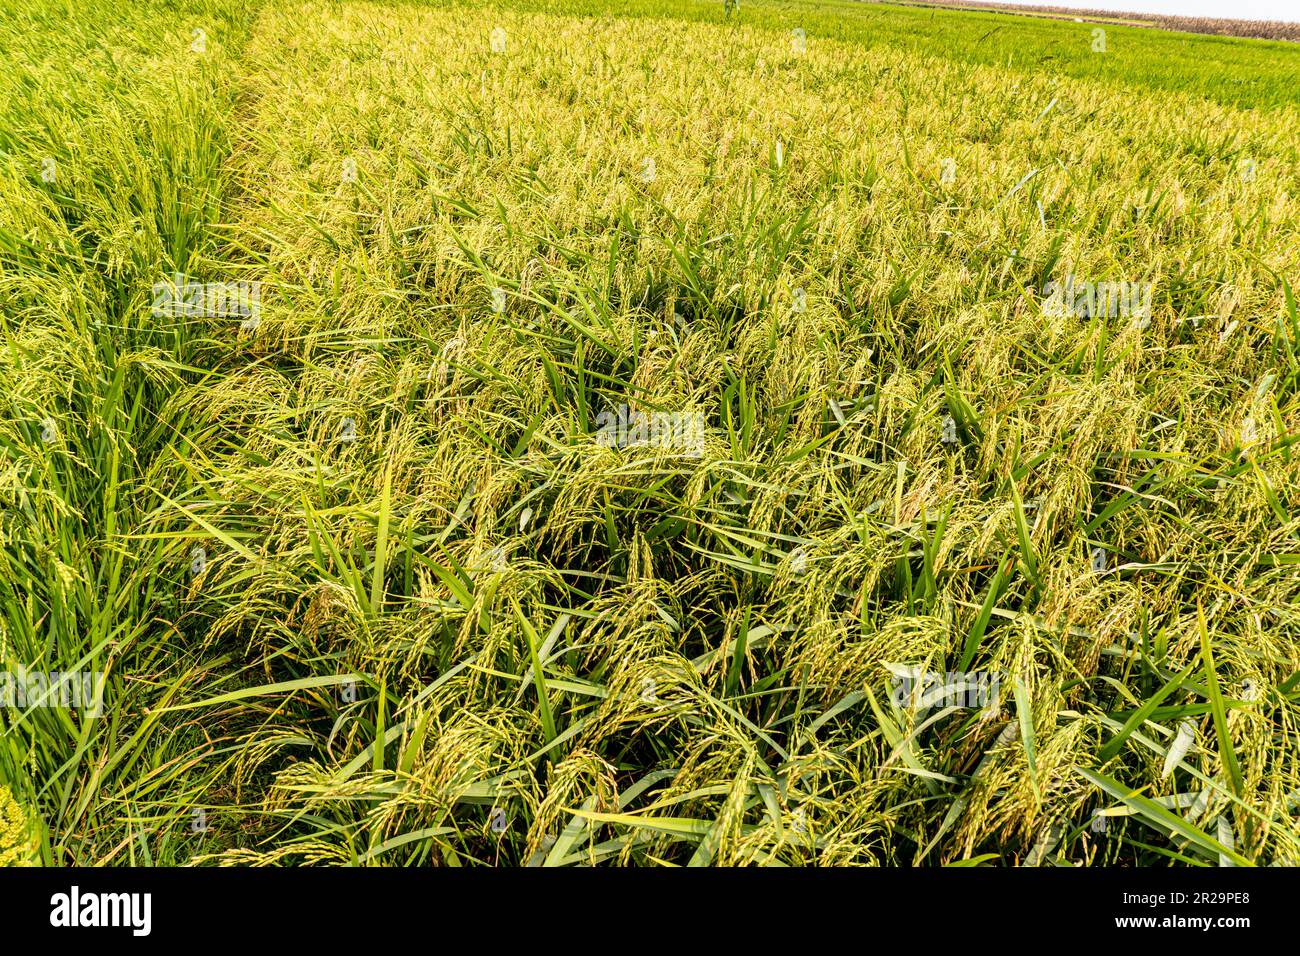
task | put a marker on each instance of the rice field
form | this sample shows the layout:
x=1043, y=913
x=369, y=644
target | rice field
x=665, y=433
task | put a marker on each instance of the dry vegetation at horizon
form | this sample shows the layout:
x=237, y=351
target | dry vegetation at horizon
x=1216, y=26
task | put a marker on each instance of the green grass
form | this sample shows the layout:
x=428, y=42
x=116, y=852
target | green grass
x=368, y=587
x=1223, y=69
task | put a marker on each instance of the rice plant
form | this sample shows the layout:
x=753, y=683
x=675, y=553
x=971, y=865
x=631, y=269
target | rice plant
x=662, y=433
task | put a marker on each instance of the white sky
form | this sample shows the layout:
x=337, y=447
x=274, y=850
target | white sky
x=1231, y=9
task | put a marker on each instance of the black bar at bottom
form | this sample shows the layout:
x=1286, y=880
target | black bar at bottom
x=364, y=906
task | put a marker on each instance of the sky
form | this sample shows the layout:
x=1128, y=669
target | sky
x=1232, y=9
